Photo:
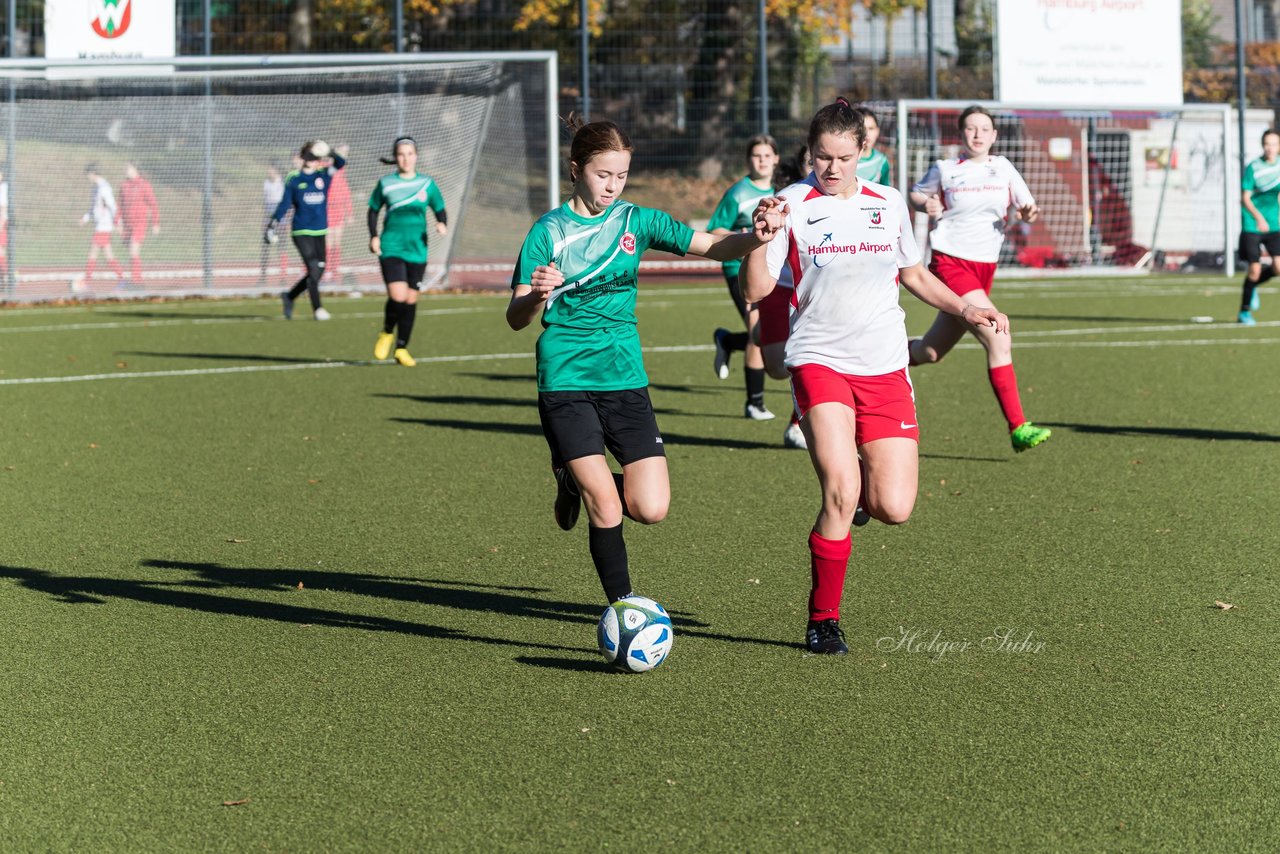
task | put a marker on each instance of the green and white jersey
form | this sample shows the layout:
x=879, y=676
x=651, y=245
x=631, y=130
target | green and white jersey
x=404, y=231
x=589, y=340
x=1262, y=180
x=875, y=168
x=734, y=213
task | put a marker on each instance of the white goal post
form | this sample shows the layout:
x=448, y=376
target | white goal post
x=210, y=135
x=1119, y=189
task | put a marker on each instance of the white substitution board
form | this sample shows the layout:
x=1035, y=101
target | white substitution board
x=1095, y=53
x=109, y=29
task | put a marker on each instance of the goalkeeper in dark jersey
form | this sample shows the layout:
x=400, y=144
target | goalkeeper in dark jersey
x=402, y=246
x=307, y=191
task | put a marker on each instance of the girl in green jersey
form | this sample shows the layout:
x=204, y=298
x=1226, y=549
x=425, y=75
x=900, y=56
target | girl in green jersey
x=578, y=267
x=402, y=246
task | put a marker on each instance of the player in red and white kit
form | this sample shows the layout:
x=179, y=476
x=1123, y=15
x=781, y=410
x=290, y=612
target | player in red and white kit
x=968, y=199
x=138, y=210
x=848, y=244
x=102, y=213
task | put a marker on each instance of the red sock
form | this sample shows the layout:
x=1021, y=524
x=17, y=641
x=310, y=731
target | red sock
x=136, y=268
x=829, y=561
x=88, y=270
x=334, y=260
x=1005, y=385
x=117, y=268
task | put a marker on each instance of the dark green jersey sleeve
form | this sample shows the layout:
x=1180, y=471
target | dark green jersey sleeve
x=435, y=200
x=376, y=199
x=726, y=213
x=537, y=250
x=663, y=231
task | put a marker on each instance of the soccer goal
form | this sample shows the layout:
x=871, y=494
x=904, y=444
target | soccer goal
x=211, y=138
x=1120, y=190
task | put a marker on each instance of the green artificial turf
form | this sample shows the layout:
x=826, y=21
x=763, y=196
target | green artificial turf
x=331, y=593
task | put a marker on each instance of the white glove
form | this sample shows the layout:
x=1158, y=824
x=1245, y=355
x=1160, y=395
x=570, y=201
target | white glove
x=320, y=148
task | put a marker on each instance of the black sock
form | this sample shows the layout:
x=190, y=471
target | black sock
x=408, y=313
x=1246, y=296
x=390, y=314
x=1267, y=274
x=609, y=553
x=298, y=288
x=622, y=495
x=755, y=386
x=735, y=341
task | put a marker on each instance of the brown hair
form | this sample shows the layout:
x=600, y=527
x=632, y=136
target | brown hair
x=974, y=110
x=839, y=119
x=593, y=138
x=761, y=139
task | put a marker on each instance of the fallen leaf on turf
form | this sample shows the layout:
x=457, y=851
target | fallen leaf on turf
x=585, y=729
x=93, y=444
x=313, y=482
x=122, y=364
x=671, y=782
x=235, y=540
x=238, y=803
x=1225, y=606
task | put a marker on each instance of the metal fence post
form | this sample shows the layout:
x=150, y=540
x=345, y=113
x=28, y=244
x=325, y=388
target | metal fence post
x=208, y=149
x=763, y=61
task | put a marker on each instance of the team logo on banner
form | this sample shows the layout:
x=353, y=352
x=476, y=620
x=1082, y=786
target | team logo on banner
x=110, y=18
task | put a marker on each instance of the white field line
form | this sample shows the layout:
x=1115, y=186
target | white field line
x=484, y=357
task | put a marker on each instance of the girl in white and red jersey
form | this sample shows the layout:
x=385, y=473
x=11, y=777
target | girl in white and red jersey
x=102, y=214
x=968, y=199
x=848, y=245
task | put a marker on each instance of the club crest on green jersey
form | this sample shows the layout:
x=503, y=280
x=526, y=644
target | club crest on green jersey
x=627, y=243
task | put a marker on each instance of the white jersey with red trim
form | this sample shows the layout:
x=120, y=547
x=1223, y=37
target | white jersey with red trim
x=844, y=256
x=977, y=196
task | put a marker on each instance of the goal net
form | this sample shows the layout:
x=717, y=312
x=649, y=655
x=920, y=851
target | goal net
x=1118, y=190
x=213, y=137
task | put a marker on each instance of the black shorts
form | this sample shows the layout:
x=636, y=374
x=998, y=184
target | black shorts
x=400, y=270
x=1251, y=243
x=584, y=423
x=735, y=291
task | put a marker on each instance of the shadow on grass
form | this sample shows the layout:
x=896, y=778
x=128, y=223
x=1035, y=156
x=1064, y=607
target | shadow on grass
x=530, y=379
x=1202, y=433
x=231, y=357
x=196, y=593
x=924, y=456
x=575, y=665
x=97, y=591
x=536, y=430
x=483, y=400
x=187, y=315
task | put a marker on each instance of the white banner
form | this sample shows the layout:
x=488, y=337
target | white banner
x=1094, y=53
x=109, y=29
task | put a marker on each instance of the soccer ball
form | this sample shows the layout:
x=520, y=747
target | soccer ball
x=635, y=634
x=320, y=148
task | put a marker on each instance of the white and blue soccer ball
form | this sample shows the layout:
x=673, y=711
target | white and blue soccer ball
x=635, y=634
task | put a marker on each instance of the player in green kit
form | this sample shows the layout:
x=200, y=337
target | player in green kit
x=1259, y=222
x=734, y=213
x=872, y=165
x=578, y=267
x=402, y=246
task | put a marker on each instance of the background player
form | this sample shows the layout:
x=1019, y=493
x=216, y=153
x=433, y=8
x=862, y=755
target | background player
x=138, y=210
x=967, y=199
x=102, y=213
x=734, y=213
x=402, y=247
x=306, y=191
x=578, y=267
x=873, y=165
x=1259, y=222
x=849, y=245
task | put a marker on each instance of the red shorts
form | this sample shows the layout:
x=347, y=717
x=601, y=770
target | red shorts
x=101, y=238
x=961, y=275
x=775, y=316
x=885, y=406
